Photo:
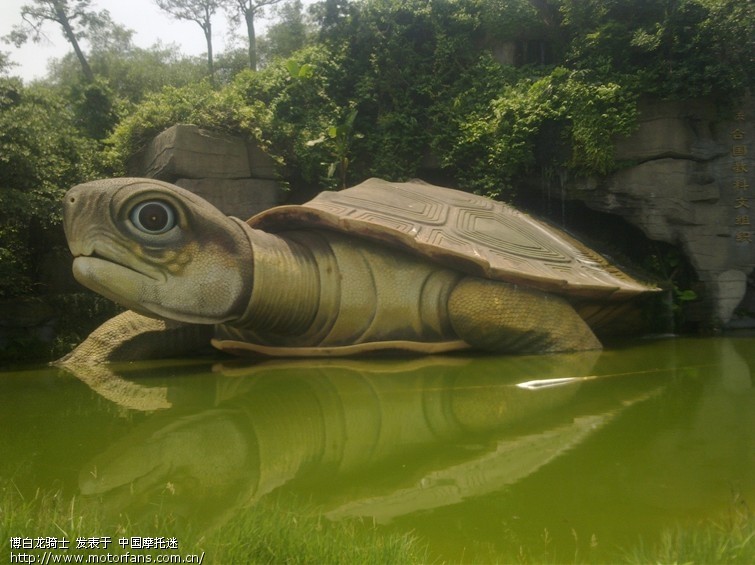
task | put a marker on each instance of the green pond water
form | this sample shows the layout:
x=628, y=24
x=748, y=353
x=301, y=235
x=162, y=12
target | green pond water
x=579, y=454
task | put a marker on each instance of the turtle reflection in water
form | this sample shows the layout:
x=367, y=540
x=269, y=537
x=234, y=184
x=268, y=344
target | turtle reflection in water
x=400, y=266
x=271, y=423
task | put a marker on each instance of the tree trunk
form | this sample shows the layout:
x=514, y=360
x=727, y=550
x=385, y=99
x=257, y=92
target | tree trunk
x=208, y=37
x=249, y=17
x=71, y=37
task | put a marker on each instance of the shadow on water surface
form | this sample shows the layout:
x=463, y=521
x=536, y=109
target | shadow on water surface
x=471, y=454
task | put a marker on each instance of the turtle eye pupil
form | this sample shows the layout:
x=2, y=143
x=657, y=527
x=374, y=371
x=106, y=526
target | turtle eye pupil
x=154, y=217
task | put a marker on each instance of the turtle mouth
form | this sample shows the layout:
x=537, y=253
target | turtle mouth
x=93, y=264
x=96, y=259
x=107, y=260
x=119, y=282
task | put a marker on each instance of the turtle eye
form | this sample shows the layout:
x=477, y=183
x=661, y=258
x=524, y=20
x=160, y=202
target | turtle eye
x=154, y=217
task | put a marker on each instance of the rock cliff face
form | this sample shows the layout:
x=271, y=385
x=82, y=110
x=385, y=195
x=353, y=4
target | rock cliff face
x=690, y=182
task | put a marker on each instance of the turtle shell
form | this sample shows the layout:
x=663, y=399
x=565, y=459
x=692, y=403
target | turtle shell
x=463, y=231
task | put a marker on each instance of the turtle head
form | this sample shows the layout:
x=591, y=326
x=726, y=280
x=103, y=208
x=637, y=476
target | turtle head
x=158, y=249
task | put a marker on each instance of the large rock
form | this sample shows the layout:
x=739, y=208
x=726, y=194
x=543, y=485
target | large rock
x=691, y=185
x=729, y=287
x=235, y=175
x=242, y=198
x=187, y=151
x=672, y=129
x=261, y=165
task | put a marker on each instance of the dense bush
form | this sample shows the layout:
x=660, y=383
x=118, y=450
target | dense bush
x=562, y=120
x=42, y=153
x=676, y=49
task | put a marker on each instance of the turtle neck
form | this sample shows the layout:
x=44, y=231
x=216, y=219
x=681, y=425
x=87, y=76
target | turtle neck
x=286, y=288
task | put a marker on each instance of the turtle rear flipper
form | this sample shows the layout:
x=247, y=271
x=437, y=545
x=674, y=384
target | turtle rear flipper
x=499, y=316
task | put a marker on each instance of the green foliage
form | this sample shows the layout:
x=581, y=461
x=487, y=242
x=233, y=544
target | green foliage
x=272, y=532
x=675, y=274
x=267, y=532
x=95, y=108
x=131, y=72
x=419, y=77
x=563, y=120
x=505, y=20
x=198, y=103
x=5, y=64
x=403, y=58
x=676, y=49
x=727, y=540
x=282, y=107
x=284, y=37
x=290, y=103
x=42, y=154
x=339, y=139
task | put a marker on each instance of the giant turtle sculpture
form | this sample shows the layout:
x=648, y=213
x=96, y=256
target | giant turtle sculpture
x=380, y=266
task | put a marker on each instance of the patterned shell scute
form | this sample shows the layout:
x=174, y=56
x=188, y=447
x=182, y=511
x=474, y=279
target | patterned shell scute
x=464, y=231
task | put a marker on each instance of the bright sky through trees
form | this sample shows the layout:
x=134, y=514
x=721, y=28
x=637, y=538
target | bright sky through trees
x=143, y=16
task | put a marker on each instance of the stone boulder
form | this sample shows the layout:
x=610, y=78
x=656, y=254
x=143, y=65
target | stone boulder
x=673, y=129
x=233, y=174
x=242, y=198
x=188, y=151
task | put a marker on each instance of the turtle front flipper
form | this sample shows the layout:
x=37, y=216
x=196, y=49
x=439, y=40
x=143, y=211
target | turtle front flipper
x=131, y=336
x=504, y=317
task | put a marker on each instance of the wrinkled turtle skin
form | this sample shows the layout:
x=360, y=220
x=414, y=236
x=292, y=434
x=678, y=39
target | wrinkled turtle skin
x=380, y=266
